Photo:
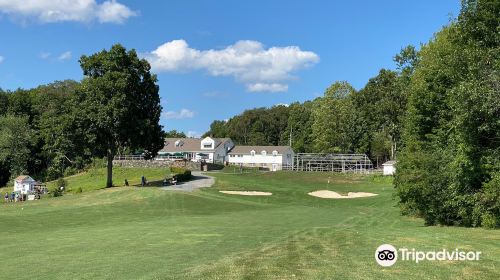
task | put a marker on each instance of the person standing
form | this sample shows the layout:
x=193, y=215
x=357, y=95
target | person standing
x=6, y=197
x=143, y=181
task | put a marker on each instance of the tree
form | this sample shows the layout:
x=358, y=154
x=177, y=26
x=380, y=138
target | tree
x=174, y=134
x=119, y=104
x=15, y=141
x=382, y=105
x=331, y=115
x=218, y=129
x=299, y=126
x=449, y=167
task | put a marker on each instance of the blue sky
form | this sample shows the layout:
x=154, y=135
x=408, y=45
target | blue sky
x=215, y=59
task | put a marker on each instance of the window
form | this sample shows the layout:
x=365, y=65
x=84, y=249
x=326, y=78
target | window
x=263, y=165
x=252, y=153
x=207, y=146
x=264, y=153
x=240, y=155
x=275, y=153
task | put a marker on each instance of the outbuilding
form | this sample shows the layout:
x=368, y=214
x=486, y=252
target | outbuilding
x=24, y=184
x=271, y=158
x=389, y=167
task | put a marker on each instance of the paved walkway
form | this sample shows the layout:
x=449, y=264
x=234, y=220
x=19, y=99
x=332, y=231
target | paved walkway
x=198, y=181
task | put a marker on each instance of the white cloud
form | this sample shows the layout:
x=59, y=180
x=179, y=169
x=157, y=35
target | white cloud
x=274, y=87
x=2, y=59
x=46, y=11
x=182, y=114
x=64, y=56
x=248, y=62
x=44, y=55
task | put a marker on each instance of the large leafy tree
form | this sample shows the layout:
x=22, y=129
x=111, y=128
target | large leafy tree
x=332, y=114
x=449, y=168
x=381, y=105
x=119, y=104
x=15, y=142
x=299, y=127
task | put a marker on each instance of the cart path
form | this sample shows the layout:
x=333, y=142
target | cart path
x=198, y=181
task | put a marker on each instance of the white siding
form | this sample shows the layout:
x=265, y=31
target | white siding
x=389, y=169
x=270, y=161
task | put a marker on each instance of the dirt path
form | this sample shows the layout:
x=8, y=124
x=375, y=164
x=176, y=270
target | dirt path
x=199, y=181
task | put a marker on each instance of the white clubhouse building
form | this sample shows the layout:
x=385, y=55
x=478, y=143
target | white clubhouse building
x=269, y=157
x=223, y=151
x=213, y=150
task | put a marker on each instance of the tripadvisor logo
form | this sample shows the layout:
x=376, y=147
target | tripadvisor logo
x=387, y=255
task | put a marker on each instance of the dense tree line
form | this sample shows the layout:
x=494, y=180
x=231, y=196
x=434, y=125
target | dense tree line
x=56, y=129
x=343, y=120
x=36, y=133
x=438, y=114
x=449, y=168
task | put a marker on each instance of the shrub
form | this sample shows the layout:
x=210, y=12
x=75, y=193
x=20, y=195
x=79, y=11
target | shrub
x=70, y=171
x=181, y=174
x=53, y=172
x=61, y=184
x=488, y=206
x=79, y=190
x=56, y=192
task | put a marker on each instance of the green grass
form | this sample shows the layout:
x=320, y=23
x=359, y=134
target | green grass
x=96, y=178
x=148, y=233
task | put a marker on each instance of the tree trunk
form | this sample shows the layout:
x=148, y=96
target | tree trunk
x=109, y=181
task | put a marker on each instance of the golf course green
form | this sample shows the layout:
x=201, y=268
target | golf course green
x=149, y=233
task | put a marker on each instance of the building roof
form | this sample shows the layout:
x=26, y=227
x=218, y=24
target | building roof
x=189, y=145
x=390, y=162
x=23, y=177
x=259, y=149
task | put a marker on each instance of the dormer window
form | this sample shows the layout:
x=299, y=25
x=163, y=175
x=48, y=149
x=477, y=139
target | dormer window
x=178, y=143
x=275, y=153
x=252, y=153
x=264, y=153
x=208, y=143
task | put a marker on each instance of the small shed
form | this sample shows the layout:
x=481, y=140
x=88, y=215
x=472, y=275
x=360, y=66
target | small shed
x=24, y=184
x=389, y=167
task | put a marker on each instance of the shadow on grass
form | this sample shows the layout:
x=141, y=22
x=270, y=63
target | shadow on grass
x=159, y=183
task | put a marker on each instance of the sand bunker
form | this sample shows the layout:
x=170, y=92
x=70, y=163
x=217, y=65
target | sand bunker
x=246, y=192
x=335, y=195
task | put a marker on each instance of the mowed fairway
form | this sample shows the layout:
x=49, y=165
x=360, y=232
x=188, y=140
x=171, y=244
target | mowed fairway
x=149, y=233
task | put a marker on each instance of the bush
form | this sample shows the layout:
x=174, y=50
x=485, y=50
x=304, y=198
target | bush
x=79, y=190
x=53, y=172
x=70, y=171
x=181, y=174
x=61, y=184
x=56, y=192
x=488, y=207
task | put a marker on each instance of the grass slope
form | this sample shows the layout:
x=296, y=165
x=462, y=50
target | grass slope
x=96, y=178
x=148, y=233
